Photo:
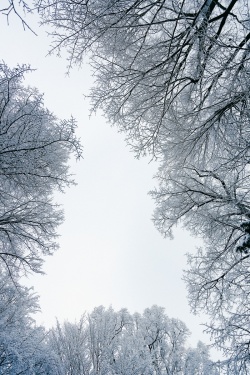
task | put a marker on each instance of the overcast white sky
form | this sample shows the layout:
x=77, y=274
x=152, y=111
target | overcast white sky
x=110, y=253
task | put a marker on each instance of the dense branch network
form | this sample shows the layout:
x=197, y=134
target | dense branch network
x=34, y=151
x=158, y=63
x=174, y=76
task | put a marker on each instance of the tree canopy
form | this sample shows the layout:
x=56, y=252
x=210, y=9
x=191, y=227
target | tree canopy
x=174, y=76
x=34, y=151
x=23, y=344
x=115, y=342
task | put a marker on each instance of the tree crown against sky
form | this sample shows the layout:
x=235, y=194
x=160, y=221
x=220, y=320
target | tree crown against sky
x=101, y=342
x=23, y=344
x=159, y=64
x=35, y=147
x=34, y=151
x=174, y=76
x=115, y=342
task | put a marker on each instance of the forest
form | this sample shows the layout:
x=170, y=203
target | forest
x=172, y=76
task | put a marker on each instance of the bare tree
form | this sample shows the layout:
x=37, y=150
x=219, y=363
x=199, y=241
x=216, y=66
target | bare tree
x=117, y=343
x=34, y=151
x=174, y=76
x=69, y=342
x=159, y=63
x=19, y=9
x=23, y=347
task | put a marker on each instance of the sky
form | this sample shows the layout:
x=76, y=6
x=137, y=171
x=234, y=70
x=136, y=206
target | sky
x=110, y=253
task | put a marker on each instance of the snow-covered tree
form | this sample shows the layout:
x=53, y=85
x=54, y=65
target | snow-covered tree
x=23, y=345
x=174, y=76
x=159, y=64
x=118, y=343
x=197, y=361
x=105, y=326
x=165, y=339
x=34, y=150
x=69, y=342
x=18, y=8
